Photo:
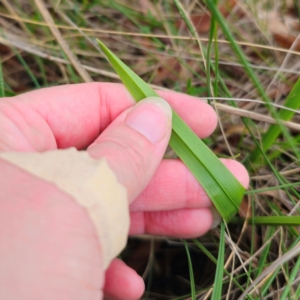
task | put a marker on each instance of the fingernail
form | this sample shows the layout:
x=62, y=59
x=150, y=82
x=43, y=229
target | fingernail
x=151, y=117
x=216, y=218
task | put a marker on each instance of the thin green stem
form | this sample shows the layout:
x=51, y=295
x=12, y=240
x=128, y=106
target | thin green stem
x=192, y=280
x=218, y=282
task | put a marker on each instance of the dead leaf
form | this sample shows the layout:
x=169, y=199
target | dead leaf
x=170, y=69
x=201, y=21
x=284, y=29
x=286, y=40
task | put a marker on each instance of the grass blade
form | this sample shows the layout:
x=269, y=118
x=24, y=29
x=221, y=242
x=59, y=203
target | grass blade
x=193, y=289
x=27, y=68
x=278, y=187
x=214, y=260
x=268, y=284
x=218, y=282
x=291, y=280
x=269, y=220
x=262, y=262
x=221, y=186
x=137, y=87
x=268, y=139
x=256, y=82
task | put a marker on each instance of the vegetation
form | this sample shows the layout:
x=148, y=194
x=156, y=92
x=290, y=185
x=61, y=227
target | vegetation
x=242, y=57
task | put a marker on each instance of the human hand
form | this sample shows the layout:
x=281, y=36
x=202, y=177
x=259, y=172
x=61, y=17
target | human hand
x=48, y=239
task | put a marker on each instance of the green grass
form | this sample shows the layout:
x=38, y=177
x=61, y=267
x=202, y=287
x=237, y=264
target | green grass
x=193, y=289
x=270, y=152
x=218, y=282
x=221, y=186
x=269, y=137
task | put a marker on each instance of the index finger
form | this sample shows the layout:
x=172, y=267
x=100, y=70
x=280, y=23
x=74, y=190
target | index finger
x=77, y=114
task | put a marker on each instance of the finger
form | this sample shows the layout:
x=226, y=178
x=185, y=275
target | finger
x=122, y=282
x=135, y=142
x=181, y=223
x=74, y=115
x=174, y=187
x=196, y=113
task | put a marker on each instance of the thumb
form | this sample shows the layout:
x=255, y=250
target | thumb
x=135, y=142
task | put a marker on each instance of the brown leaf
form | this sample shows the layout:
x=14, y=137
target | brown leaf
x=201, y=20
x=170, y=69
x=286, y=40
x=284, y=29
x=4, y=50
x=244, y=209
x=226, y=7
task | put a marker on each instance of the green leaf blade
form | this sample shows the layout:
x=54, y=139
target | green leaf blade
x=269, y=220
x=270, y=136
x=192, y=280
x=222, y=187
x=225, y=191
x=218, y=282
x=229, y=184
x=135, y=85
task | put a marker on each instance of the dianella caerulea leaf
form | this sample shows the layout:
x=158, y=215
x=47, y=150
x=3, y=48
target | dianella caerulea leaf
x=222, y=187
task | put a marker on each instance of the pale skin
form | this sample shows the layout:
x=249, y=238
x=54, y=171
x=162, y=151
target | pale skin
x=48, y=245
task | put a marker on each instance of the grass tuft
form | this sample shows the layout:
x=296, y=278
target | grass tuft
x=243, y=58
